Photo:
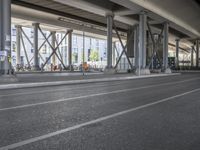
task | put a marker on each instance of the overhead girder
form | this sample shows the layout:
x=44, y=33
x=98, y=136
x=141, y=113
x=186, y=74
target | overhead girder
x=157, y=12
x=70, y=25
x=57, y=12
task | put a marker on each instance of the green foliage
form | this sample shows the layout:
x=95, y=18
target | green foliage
x=74, y=57
x=94, y=55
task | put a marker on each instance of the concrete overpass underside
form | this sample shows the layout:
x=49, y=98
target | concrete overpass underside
x=144, y=110
x=154, y=26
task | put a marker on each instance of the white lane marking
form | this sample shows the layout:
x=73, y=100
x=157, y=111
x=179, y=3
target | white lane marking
x=42, y=84
x=58, y=90
x=66, y=89
x=92, y=95
x=39, y=138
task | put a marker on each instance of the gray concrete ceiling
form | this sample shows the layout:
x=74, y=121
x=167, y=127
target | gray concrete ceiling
x=183, y=15
x=184, y=20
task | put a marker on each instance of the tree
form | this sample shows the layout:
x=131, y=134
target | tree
x=94, y=55
x=74, y=57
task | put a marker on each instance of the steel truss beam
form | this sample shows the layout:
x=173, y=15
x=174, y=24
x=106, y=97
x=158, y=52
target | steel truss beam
x=155, y=44
x=31, y=43
x=59, y=52
x=53, y=49
x=41, y=48
x=115, y=48
x=124, y=47
x=23, y=44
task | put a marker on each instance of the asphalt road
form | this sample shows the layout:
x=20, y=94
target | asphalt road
x=160, y=113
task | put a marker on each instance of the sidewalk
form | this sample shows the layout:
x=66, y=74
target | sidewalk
x=41, y=80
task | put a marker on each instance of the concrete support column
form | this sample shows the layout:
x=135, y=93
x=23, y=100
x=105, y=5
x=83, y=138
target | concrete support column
x=5, y=37
x=192, y=56
x=197, y=53
x=142, y=40
x=177, y=53
x=18, y=44
x=142, y=70
x=109, y=68
x=70, y=50
x=35, y=46
x=109, y=40
x=165, y=47
x=53, y=43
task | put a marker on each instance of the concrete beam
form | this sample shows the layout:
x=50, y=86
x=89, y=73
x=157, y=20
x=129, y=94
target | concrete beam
x=154, y=7
x=87, y=6
x=31, y=15
x=124, y=12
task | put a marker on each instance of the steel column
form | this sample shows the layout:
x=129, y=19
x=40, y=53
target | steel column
x=53, y=43
x=130, y=45
x=1, y=24
x=165, y=45
x=70, y=50
x=177, y=53
x=18, y=43
x=113, y=56
x=35, y=46
x=83, y=55
x=142, y=40
x=192, y=56
x=136, y=46
x=109, y=40
x=5, y=36
x=197, y=53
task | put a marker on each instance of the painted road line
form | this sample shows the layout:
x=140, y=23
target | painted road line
x=42, y=84
x=57, y=90
x=92, y=95
x=43, y=137
x=60, y=90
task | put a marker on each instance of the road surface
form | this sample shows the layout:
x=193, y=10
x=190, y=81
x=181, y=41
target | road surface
x=161, y=113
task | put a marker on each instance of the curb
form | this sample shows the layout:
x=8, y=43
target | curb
x=43, y=84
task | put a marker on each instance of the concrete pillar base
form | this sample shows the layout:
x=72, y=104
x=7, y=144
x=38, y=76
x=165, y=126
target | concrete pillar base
x=7, y=72
x=8, y=79
x=167, y=71
x=156, y=71
x=142, y=71
x=110, y=71
x=36, y=68
x=70, y=68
